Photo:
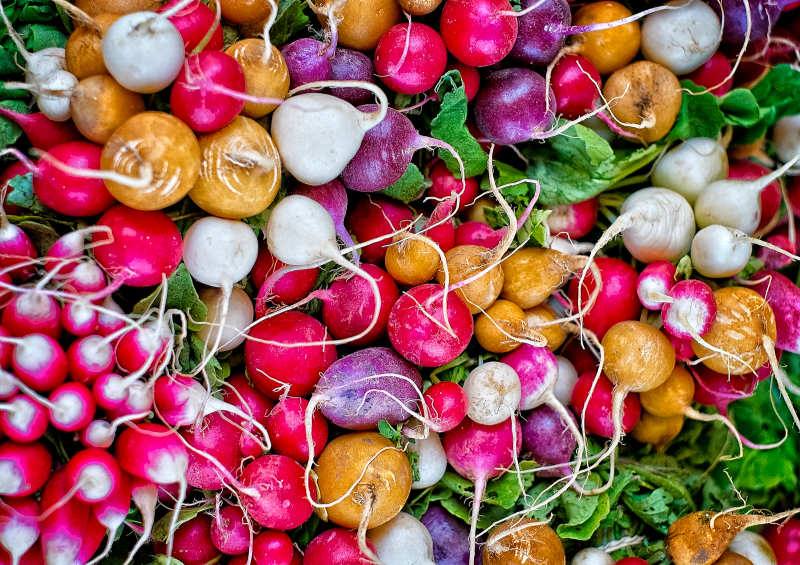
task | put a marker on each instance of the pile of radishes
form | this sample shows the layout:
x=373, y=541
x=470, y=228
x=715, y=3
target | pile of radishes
x=167, y=151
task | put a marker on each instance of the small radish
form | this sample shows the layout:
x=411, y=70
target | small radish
x=101, y=433
x=336, y=542
x=238, y=321
x=307, y=60
x=373, y=217
x=39, y=361
x=94, y=474
x=65, y=524
x=286, y=286
x=112, y=513
x=243, y=395
x=23, y=420
x=273, y=547
x=480, y=33
x=432, y=462
x=79, y=318
x=573, y=220
x=410, y=58
x=450, y=536
x=447, y=405
x=654, y=284
x=138, y=350
x=493, y=391
x=403, y=539
x=193, y=22
x=214, y=456
x=714, y=74
x=192, y=542
x=746, y=22
x=720, y=251
x=19, y=529
x=15, y=248
x=691, y=166
x=781, y=294
x=229, y=531
x=597, y=409
x=349, y=64
x=25, y=467
x=41, y=131
x=89, y=358
x=567, y=378
x=286, y=427
x=754, y=547
x=546, y=439
x=691, y=310
x=281, y=502
x=783, y=539
x=770, y=197
x=444, y=184
x=33, y=313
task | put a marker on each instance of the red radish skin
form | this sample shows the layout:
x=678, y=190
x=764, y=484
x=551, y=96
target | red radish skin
x=79, y=318
x=282, y=503
x=348, y=306
x=64, y=529
x=142, y=346
x=717, y=390
x=41, y=131
x=410, y=58
x=96, y=474
x=33, y=313
x=15, y=248
x=92, y=538
x=23, y=420
x=444, y=184
x=469, y=76
x=336, y=547
x=24, y=468
x=286, y=427
x=439, y=227
x=272, y=547
x=192, y=543
x=197, y=97
x=230, y=532
x=71, y=195
x=773, y=260
x=146, y=246
x=291, y=287
x=683, y=348
x=477, y=233
x=782, y=295
x=582, y=359
x=113, y=511
x=619, y=290
x=153, y=452
x=655, y=283
x=193, y=23
x=89, y=358
x=6, y=349
x=39, y=362
x=424, y=341
x=219, y=439
x=714, y=73
x=598, y=410
x=573, y=220
x=106, y=323
x=73, y=407
x=19, y=529
x=577, y=85
x=447, y=405
x=87, y=278
x=785, y=541
x=275, y=369
x=376, y=216
x=251, y=401
x=478, y=33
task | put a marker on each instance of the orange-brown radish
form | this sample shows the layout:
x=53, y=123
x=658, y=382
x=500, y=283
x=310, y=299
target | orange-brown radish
x=503, y=327
x=96, y=7
x=419, y=7
x=657, y=431
x=523, y=541
x=100, y=105
x=732, y=558
x=543, y=314
x=245, y=12
x=265, y=73
x=533, y=273
x=412, y=260
x=362, y=22
x=84, y=49
x=608, y=49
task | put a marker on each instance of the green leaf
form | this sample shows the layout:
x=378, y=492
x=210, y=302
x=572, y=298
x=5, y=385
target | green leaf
x=302, y=535
x=584, y=515
x=699, y=116
x=449, y=126
x=410, y=186
x=778, y=93
x=161, y=528
x=580, y=164
x=740, y=108
x=21, y=194
x=161, y=559
x=43, y=37
x=291, y=20
x=418, y=505
x=684, y=268
x=413, y=460
x=653, y=508
x=181, y=294
x=391, y=433
x=9, y=131
x=193, y=353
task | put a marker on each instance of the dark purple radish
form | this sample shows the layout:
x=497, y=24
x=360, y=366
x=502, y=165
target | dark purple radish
x=746, y=22
x=348, y=64
x=218, y=438
x=308, y=60
x=450, y=537
x=19, y=527
x=410, y=58
x=479, y=33
x=25, y=468
x=333, y=197
x=480, y=453
x=377, y=217
x=63, y=529
x=41, y=131
x=548, y=440
x=23, y=420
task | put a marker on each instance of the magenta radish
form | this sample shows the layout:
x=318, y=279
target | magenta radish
x=19, y=528
x=204, y=95
x=493, y=393
x=63, y=530
x=691, y=166
x=101, y=433
x=307, y=60
x=24, y=468
x=230, y=532
x=241, y=394
x=547, y=439
x=6, y=350
x=691, y=310
x=481, y=33
x=140, y=348
x=193, y=22
x=444, y=184
x=447, y=405
x=418, y=325
x=111, y=513
x=286, y=285
x=410, y=58
x=272, y=547
x=71, y=406
x=377, y=216
x=480, y=453
x=94, y=475
x=192, y=542
x=576, y=86
x=39, y=361
x=597, y=409
x=477, y=233
x=781, y=294
x=107, y=322
x=774, y=260
x=71, y=246
x=33, y=312
x=16, y=248
x=714, y=74
x=71, y=195
x=218, y=464
x=88, y=278
x=276, y=369
x=336, y=541
x=333, y=197
x=42, y=132
x=348, y=64
x=439, y=227
x=336, y=125
x=281, y=503
x=654, y=284
x=79, y=318
x=146, y=245
x=89, y=358
x=14, y=170
x=286, y=427
x=573, y=220
x=23, y=420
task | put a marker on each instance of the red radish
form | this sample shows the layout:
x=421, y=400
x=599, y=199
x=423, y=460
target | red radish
x=192, y=542
x=619, y=288
x=573, y=220
x=439, y=227
x=19, y=528
x=691, y=311
x=16, y=248
x=107, y=323
x=335, y=547
x=421, y=321
x=478, y=233
x=447, y=405
x=598, y=409
x=479, y=33
x=72, y=195
x=576, y=84
x=39, y=362
x=92, y=538
x=469, y=76
x=111, y=513
x=6, y=349
x=714, y=74
x=281, y=502
x=376, y=216
x=273, y=548
x=785, y=541
x=683, y=348
x=410, y=58
x=276, y=370
x=288, y=287
x=244, y=396
x=444, y=184
x=71, y=407
x=140, y=399
x=90, y=357
x=79, y=318
x=94, y=475
x=193, y=22
x=41, y=131
x=479, y=453
x=146, y=245
x=71, y=246
x=230, y=532
x=24, y=468
x=141, y=347
x=33, y=312
x=88, y=278
x=65, y=525
x=654, y=284
x=286, y=427
x=782, y=295
x=203, y=97
x=774, y=260
x=23, y=420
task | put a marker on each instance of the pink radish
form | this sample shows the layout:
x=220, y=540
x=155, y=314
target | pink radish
x=193, y=22
x=244, y=396
x=90, y=357
x=480, y=453
x=41, y=131
x=192, y=542
x=447, y=405
x=39, y=361
x=774, y=260
x=138, y=349
x=15, y=248
x=376, y=216
x=479, y=33
x=281, y=502
x=79, y=318
x=444, y=184
x=19, y=528
x=598, y=409
x=215, y=459
x=65, y=525
x=24, y=468
x=272, y=547
x=339, y=542
x=714, y=74
x=12, y=171
x=308, y=60
x=654, y=284
x=287, y=285
x=112, y=512
x=23, y=420
x=230, y=532
x=33, y=312
x=286, y=428
x=94, y=474
x=690, y=311
x=108, y=324
x=782, y=295
x=145, y=247
x=71, y=246
x=573, y=220
x=410, y=58
x=92, y=538
x=576, y=86
x=477, y=233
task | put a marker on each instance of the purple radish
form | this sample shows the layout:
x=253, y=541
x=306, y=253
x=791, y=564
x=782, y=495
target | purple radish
x=348, y=64
x=546, y=439
x=654, y=284
x=19, y=527
x=23, y=420
x=480, y=453
x=450, y=537
x=24, y=468
x=65, y=526
x=308, y=60
x=759, y=15
x=690, y=311
x=333, y=197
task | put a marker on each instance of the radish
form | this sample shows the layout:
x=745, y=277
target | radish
x=244, y=396
x=376, y=217
x=143, y=247
x=94, y=475
x=774, y=260
x=432, y=462
x=19, y=529
x=746, y=22
x=66, y=521
x=479, y=453
x=215, y=458
x=16, y=248
x=138, y=38
x=597, y=410
x=333, y=198
x=101, y=433
x=754, y=547
x=286, y=427
x=111, y=513
x=272, y=547
x=447, y=405
x=280, y=502
x=654, y=284
x=137, y=351
x=410, y=58
x=338, y=127
x=444, y=184
x=39, y=361
x=192, y=542
x=783, y=540
x=477, y=233
x=333, y=545
x=193, y=22
x=237, y=323
x=691, y=166
x=449, y=534
x=79, y=318
x=403, y=540
x=90, y=357
x=348, y=64
x=690, y=311
x=286, y=285
x=33, y=313
x=480, y=33
x=573, y=220
x=229, y=531
x=786, y=137
x=23, y=420
x=308, y=60
x=745, y=214
x=547, y=439
x=25, y=467
x=145, y=497
x=781, y=294
x=714, y=74
x=535, y=540
x=42, y=132
x=493, y=391
x=720, y=251
x=567, y=378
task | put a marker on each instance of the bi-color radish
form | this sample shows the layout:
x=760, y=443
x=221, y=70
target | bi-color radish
x=19, y=528
x=65, y=524
x=23, y=420
x=654, y=284
x=24, y=468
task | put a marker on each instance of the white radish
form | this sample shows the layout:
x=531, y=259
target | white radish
x=403, y=540
x=41, y=65
x=719, y=251
x=494, y=393
x=735, y=203
x=432, y=461
x=754, y=547
x=240, y=316
x=335, y=126
x=681, y=40
x=786, y=137
x=691, y=166
x=592, y=556
x=567, y=378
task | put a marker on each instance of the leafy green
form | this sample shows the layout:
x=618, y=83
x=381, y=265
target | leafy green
x=410, y=186
x=391, y=433
x=449, y=126
x=579, y=165
x=684, y=268
x=161, y=527
x=181, y=294
x=21, y=194
x=699, y=115
x=778, y=93
x=291, y=20
x=584, y=514
x=193, y=353
x=9, y=131
x=740, y=108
